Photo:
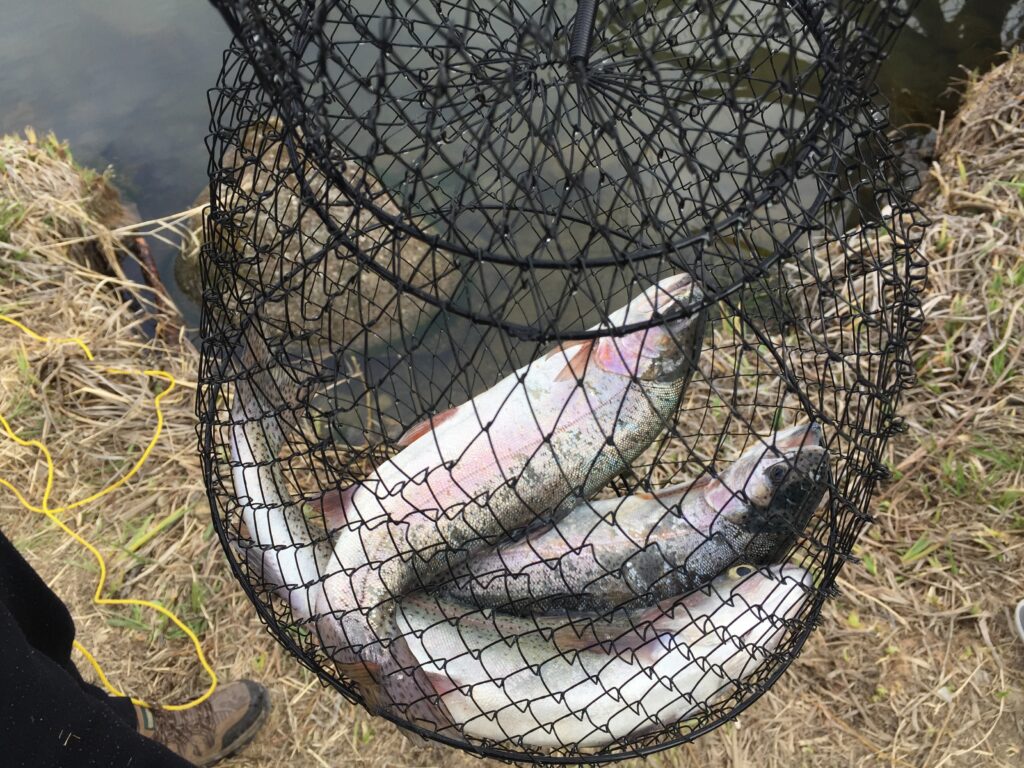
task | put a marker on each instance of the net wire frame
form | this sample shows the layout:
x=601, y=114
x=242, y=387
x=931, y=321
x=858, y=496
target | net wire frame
x=550, y=350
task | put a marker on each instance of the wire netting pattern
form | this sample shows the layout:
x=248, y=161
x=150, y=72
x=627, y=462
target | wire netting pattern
x=551, y=350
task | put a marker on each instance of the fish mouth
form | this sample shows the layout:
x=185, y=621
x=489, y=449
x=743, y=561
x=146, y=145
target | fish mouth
x=794, y=500
x=669, y=291
x=666, y=297
x=675, y=294
x=665, y=349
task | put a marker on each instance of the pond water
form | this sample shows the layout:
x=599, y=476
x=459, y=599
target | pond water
x=945, y=40
x=125, y=81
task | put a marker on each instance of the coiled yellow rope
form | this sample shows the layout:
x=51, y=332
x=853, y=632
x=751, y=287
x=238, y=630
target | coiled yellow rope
x=45, y=509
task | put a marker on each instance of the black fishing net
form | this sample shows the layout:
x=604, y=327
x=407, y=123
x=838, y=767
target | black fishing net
x=551, y=350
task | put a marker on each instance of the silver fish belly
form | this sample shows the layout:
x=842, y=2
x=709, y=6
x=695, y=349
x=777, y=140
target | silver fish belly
x=555, y=431
x=549, y=683
x=592, y=408
x=292, y=557
x=638, y=550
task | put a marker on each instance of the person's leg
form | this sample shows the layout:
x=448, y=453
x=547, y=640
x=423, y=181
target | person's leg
x=43, y=619
x=122, y=705
x=45, y=622
x=42, y=691
x=46, y=718
x=203, y=734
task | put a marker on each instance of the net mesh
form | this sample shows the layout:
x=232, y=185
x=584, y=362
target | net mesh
x=551, y=350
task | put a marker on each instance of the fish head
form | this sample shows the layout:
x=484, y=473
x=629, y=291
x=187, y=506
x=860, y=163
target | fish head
x=793, y=504
x=768, y=496
x=664, y=352
x=757, y=475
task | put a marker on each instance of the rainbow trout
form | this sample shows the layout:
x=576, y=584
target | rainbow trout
x=555, y=431
x=569, y=682
x=292, y=557
x=641, y=549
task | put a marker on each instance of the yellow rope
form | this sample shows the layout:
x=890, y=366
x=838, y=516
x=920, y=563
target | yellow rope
x=74, y=340
x=51, y=513
x=172, y=383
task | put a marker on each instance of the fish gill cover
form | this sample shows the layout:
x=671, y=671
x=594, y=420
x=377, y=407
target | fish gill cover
x=551, y=349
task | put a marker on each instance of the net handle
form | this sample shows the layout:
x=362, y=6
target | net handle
x=582, y=32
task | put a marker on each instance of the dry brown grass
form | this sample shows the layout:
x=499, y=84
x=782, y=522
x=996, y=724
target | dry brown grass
x=915, y=664
x=57, y=241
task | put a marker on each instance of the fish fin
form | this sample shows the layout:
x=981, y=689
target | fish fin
x=250, y=554
x=416, y=431
x=439, y=681
x=719, y=496
x=332, y=507
x=366, y=675
x=586, y=635
x=417, y=692
x=576, y=364
x=568, y=638
x=674, y=490
x=563, y=349
x=805, y=434
x=702, y=481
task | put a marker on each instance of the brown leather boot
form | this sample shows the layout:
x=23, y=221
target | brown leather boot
x=218, y=727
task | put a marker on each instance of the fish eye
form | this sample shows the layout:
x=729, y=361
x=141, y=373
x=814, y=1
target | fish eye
x=778, y=473
x=741, y=571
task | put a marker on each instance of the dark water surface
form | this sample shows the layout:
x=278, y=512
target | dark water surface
x=945, y=40
x=125, y=81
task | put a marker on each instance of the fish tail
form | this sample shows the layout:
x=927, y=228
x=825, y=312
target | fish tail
x=392, y=682
x=409, y=691
x=280, y=539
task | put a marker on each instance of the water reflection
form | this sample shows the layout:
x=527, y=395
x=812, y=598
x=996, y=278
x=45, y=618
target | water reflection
x=944, y=40
x=125, y=81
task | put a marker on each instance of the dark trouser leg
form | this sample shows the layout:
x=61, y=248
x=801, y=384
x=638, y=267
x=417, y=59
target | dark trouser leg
x=48, y=715
x=122, y=705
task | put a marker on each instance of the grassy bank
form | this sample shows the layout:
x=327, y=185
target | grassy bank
x=915, y=663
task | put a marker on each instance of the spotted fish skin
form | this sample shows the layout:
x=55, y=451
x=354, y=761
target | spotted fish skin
x=562, y=683
x=568, y=423
x=291, y=557
x=553, y=432
x=638, y=550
